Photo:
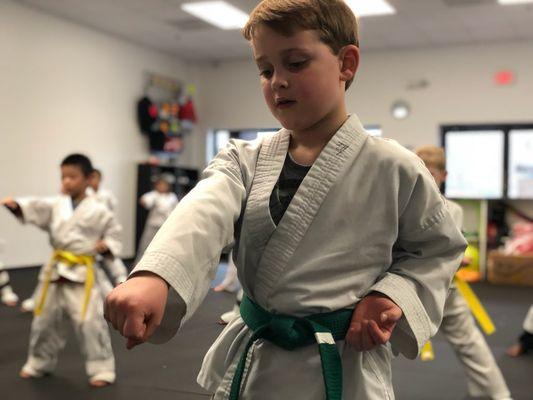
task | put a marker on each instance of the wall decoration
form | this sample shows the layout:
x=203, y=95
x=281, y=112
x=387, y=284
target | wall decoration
x=166, y=114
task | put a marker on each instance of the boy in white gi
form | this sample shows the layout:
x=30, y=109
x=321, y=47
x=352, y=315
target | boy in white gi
x=160, y=202
x=102, y=194
x=231, y=284
x=525, y=341
x=113, y=264
x=484, y=378
x=323, y=218
x=7, y=296
x=79, y=227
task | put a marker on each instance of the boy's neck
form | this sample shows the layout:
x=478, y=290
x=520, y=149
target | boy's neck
x=79, y=197
x=306, y=146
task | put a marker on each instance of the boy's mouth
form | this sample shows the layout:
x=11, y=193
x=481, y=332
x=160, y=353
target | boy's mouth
x=284, y=103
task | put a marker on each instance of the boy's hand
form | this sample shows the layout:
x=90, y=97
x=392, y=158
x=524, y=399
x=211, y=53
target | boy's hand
x=101, y=247
x=10, y=203
x=373, y=321
x=136, y=307
x=467, y=260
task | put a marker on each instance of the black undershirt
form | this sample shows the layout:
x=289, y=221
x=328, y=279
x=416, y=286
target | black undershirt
x=289, y=181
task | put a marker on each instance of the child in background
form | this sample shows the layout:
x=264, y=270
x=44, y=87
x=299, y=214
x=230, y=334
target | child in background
x=160, y=202
x=102, y=194
x=484, y=378
x=230, y=284
x=8, y=297
x=525, y=341
x=342, y=241
x=113, y=264
x=79, y=227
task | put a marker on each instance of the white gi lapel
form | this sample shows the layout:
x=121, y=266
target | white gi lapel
x=66, y=210
x=269, y=163
x=70, y=216
x=343, y=146
x=62, y=213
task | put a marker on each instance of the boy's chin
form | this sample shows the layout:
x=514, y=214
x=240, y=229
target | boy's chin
x=72, y=193
x=291, y=124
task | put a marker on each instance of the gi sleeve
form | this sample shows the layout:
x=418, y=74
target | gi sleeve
x=148, y=199
x=426, y=255
x=186, y=250
x=36, y=211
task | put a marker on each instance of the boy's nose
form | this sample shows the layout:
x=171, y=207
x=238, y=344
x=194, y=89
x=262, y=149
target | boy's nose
x=279, y=81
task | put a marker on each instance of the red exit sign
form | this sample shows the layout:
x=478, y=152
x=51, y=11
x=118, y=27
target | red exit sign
x=504, y=77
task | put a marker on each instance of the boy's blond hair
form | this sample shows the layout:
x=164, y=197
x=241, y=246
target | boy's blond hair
x=432, y=156
x=333, y=19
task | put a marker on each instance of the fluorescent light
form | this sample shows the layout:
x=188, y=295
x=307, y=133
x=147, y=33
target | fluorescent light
x=512, y=2
x=218, y=13
x=366, y=8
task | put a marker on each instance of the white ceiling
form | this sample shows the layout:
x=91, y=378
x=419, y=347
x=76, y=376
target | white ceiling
x=162, y=25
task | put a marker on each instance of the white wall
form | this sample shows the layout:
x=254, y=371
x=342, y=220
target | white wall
x=65, y=88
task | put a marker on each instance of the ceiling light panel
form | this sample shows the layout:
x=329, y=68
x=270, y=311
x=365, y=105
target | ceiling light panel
x=513, y=2
x=219, y=13
x=367, y=8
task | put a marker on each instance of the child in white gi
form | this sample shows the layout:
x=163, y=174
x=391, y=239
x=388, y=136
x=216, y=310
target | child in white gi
x=7, y=296
x=231, y=284
x=484, y=378
x=79, y=227
x=322, y=217
x=525, y=341
x=102, y=194
x=113, y=264
x=160, y=201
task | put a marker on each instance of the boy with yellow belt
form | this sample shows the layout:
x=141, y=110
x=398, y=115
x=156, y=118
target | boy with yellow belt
x=484, y=378
x=79, y=227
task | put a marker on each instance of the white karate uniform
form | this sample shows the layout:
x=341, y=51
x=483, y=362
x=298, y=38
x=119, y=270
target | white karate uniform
x=160, y=206
x=230, y=283
x=77, y=231
x=115, y=266
x=367, y=217
x=106, y=197
x=484, y=378
x=6, y=292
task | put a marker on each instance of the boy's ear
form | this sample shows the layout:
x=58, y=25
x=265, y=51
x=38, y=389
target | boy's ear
x=349, y=61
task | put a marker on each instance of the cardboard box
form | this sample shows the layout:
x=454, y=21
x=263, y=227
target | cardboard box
x=510, y=270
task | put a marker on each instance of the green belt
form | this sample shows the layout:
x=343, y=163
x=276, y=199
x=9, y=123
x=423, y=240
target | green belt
x=290, y=333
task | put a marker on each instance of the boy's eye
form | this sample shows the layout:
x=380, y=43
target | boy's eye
x=297, y=64
x=265, y=73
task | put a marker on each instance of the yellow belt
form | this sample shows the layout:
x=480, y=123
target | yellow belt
x=475, y=306
x=477, y=310
x=69, y=259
